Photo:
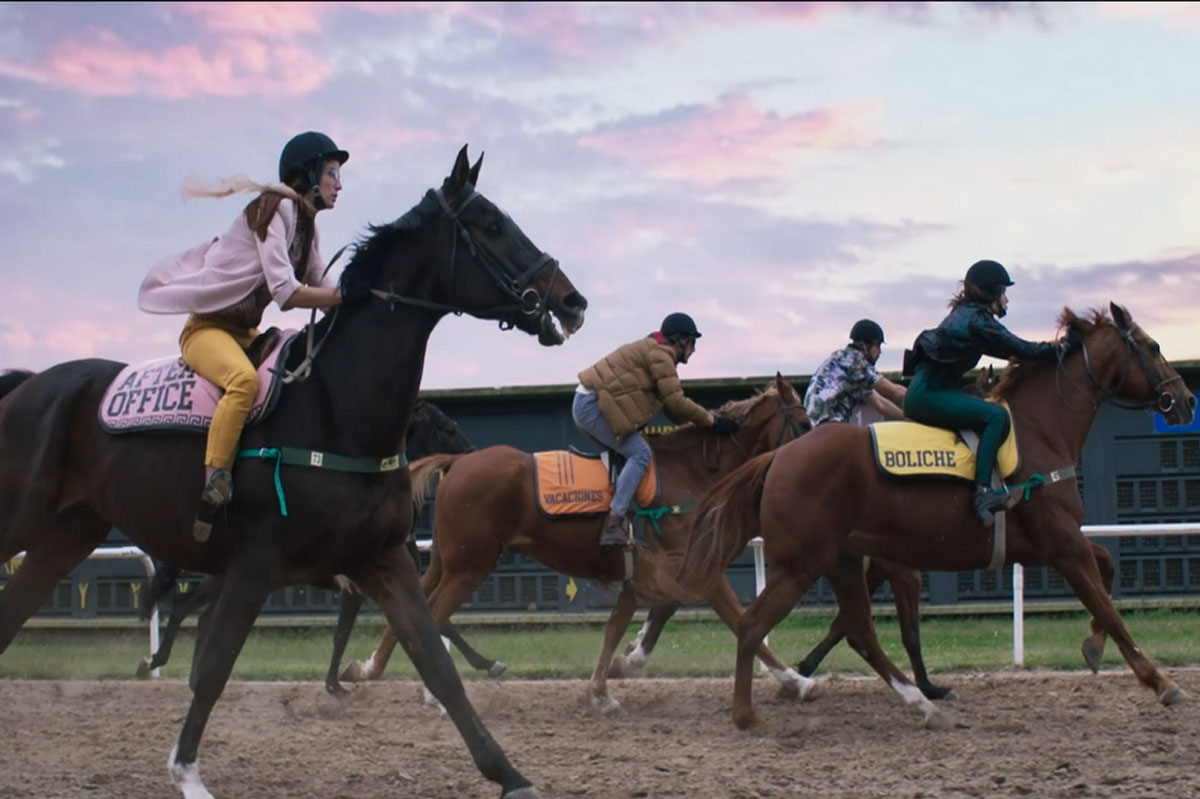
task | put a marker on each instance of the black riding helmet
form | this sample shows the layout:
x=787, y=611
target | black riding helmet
x=868, y=331
x=989, y=276
x=305, y=153
x=677, y=325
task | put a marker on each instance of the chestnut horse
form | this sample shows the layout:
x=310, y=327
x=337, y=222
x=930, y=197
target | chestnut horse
x=64, y=482
x=486, y=505
x=821, y=504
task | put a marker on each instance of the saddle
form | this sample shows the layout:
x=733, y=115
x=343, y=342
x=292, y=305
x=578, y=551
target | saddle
x=910, y=449
x=166, y=395
x=574, y=483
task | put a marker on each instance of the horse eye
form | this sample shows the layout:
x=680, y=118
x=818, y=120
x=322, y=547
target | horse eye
x=1155, y=350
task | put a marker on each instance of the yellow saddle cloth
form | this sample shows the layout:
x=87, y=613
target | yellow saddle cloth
x=908, y=449
x=570, y=484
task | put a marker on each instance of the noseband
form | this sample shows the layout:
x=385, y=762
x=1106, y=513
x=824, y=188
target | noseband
x=1163, y=402
x=516, y=283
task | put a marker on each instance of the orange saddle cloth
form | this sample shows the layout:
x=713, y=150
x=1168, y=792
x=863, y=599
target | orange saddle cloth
x=570, y=484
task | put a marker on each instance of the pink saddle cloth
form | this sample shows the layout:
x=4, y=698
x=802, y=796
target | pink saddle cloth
x=165, y=394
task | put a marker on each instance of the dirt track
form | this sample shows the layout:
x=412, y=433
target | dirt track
x=1010, y=735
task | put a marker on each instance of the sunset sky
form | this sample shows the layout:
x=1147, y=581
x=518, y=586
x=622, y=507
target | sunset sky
x=775, y=170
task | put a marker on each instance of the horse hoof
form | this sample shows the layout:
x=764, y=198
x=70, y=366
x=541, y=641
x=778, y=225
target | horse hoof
x=1092, y=654
x=336, y=690
x=1174, y=695
x=805, y=668
x=528, y=792
x=812, y=690
x=355, y=671
x=935, y=720
x=749, y=722
x=143, y=669
x=605, y=704
x=498, y=668
x=939, y=694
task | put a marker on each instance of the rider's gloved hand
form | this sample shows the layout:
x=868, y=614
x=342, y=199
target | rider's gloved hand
x=724, y=425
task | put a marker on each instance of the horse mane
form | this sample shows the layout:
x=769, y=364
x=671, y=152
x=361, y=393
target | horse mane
x=1019, y=371
x=372, y=248
x=738, y=410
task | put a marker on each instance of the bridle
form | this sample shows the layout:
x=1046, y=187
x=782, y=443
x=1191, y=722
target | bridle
x=1163, y=402
x=515, y=282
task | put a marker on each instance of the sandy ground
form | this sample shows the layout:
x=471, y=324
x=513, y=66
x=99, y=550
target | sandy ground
x=1011, y=734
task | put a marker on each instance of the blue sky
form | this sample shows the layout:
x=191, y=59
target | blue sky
x=775, y=170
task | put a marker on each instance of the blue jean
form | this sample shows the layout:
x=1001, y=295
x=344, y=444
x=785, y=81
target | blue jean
x=586, y=412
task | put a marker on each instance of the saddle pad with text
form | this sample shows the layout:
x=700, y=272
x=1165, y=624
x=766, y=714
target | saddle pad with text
x=569, y=484
x=165, y=394
x=909, y=449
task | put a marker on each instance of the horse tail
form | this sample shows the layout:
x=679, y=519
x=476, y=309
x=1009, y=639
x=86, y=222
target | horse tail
x=725, y=522
x=422, y=472
x=10, y=380
x=165, y=577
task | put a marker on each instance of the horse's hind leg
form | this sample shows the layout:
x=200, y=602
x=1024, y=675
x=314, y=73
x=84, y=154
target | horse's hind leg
x=183, y=606
x=850, y=588
x=837, y=630
x=1083, y=575
x=725, y=603
x=392, y=583
x=479, y=662
x=64, y=543
x=229, y=620
x=1093, y=645
x=351, y=604
x=618, y=623
x=638, y=651
x=906, y=587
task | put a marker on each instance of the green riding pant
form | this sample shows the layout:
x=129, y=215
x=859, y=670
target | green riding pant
x=934, y=398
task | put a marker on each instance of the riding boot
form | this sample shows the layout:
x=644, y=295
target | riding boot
x=986, y=503
x=614, y=534
x=216, y=495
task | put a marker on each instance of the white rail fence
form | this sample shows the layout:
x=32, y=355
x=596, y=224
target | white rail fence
x=760, y=570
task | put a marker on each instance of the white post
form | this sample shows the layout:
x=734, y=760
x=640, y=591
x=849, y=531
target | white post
x=760, y=582
x=1018, y=614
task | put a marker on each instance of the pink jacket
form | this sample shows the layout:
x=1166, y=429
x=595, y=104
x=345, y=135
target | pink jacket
x=226, y=270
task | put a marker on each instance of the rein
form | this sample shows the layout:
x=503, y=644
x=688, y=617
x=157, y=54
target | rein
x=790, y=426
x=513, y=282
x=1163, y=403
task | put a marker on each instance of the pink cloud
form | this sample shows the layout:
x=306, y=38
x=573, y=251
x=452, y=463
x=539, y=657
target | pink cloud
x=235, y=67
x=733, y=138
x=259, y=19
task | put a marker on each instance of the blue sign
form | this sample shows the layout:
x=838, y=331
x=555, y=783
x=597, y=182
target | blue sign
x=1161, y=426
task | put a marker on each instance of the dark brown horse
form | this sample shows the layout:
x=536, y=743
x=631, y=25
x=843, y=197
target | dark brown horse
x=430, y=431
x=821, y=505
x=486, y=505
x=64, y=483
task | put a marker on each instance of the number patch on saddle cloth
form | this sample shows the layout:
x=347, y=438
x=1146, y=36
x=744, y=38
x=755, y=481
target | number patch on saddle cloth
x=570, y=484
x=908, y=449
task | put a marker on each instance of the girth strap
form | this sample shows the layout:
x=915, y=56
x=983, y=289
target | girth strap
x=294, y=456
x=654, y=514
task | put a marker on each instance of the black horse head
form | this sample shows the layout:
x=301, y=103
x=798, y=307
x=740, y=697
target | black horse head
x=522, y=286
x=430, y=430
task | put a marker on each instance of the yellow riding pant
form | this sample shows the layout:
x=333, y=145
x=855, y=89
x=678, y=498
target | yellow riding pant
x=218, y=354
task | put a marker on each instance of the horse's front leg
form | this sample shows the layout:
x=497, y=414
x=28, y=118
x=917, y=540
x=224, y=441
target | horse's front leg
x=638, y=651
x=229, y=620
x=906, y=588
x=618, y=622
x=392, y=583
x=1079, y=568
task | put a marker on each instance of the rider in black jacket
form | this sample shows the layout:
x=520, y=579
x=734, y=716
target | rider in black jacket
x=941, y=356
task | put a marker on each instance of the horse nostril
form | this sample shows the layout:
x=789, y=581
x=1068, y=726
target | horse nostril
x=575, y=302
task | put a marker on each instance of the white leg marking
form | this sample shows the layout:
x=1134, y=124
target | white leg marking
x=912, y=695
x=794, y=681
x=187, y=777
x=431, y=701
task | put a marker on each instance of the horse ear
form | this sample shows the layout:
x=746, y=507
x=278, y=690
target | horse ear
x=461, y=172
x=1120, y=316
x=475, y=171
x=785, y=390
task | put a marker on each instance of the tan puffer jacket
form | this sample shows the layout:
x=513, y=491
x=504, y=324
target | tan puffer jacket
x=637, y=380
